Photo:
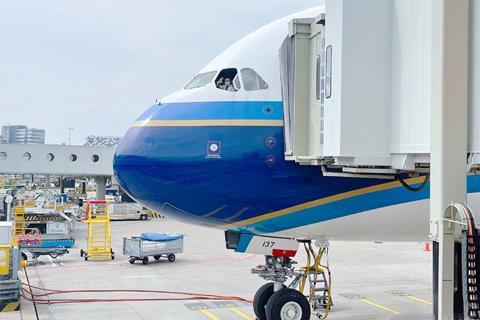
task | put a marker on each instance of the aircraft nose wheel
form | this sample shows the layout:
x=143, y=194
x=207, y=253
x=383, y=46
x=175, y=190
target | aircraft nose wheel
x=291, y=310
x=287, y=304
x=260, y=300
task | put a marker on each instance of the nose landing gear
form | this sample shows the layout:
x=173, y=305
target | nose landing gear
x=261, y=299
x=288, y=304
x=275, y=301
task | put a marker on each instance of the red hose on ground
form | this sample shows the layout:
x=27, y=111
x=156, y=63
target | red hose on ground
x=34, y=297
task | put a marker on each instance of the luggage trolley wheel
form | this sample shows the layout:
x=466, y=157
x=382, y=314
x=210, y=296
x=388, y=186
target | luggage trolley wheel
x=132, y=260
x=145, y=260
x=171, y=257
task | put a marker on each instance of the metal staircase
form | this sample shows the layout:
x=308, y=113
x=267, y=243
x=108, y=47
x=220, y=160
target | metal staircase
x=18, y=223
x=319, y=291
x=99, y=242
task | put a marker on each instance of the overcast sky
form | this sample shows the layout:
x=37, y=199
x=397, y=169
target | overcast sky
x=95, y=65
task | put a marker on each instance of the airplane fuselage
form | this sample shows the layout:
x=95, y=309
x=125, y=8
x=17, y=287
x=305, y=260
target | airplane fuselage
x=216, y=157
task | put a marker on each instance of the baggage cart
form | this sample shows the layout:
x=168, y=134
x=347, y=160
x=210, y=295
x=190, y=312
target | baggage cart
x=161, y=245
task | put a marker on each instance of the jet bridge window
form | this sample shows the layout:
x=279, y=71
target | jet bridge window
x=228, y=80
x=201, y=80
x=252, y=81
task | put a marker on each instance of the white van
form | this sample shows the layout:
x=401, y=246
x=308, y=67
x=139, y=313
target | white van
x=126, y=211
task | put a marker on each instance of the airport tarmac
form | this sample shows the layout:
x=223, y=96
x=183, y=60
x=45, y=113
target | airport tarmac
x=370, y=280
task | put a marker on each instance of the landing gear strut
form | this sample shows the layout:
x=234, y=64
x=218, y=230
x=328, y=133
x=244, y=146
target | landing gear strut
x=275, y=301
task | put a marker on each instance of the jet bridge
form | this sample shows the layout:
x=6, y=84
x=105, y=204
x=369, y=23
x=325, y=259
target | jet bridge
x=61, y=160
x=65, y=160
x=377, y=87
x=357, y=88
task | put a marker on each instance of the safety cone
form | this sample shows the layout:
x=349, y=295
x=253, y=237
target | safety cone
x=427, y=247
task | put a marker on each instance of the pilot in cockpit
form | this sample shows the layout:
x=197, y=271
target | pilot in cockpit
x=225, y=84
x=220, y=83
x=229, y=85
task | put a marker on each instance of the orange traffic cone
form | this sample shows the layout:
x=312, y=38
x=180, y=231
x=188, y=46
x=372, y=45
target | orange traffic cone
x=427, y=247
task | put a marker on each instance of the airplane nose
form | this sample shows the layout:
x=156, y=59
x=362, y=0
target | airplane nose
x=143, y=167
x=131, y=165
x=161, y=168
x=209, y=174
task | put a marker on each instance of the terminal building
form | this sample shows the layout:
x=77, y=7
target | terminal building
x=22, y=134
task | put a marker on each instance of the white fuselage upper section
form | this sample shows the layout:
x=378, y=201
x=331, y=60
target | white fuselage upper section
x=259, y=51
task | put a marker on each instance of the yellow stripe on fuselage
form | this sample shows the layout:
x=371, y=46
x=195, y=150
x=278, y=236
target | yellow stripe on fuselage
x=208, y=123
x=318, y=202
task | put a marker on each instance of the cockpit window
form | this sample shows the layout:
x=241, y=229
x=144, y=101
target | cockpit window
x=236, y=82
x=200, y=80
x=228, y=80
x=252, y=81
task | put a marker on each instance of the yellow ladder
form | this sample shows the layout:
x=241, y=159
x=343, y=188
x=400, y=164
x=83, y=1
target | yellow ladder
x=18, y=223
x=99, y=241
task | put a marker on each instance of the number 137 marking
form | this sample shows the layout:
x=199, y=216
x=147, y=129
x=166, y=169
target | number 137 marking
x=268, y=244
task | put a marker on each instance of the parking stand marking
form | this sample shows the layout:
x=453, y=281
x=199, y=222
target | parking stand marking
x=409, y=296
x=417, y=299
x=379, y=306
x=242, y=314
x=209, y=315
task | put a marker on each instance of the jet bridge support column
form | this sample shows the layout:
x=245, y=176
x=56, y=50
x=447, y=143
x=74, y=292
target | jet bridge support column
x=100, y=183
x=450, y=21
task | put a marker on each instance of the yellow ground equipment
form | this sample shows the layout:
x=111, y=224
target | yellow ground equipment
x=99, y=242
x=18, y=223
x=4, y=259
x=10, y=264
x=315, y=273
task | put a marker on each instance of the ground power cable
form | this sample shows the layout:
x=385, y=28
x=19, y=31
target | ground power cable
x=44, y=297
x=409, y=187
x=31, y=292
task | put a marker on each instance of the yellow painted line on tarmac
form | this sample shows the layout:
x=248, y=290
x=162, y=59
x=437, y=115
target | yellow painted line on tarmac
x=209, y=315
x=417, y=299
x=12, y=306
x=242, y=314
x=379, y=306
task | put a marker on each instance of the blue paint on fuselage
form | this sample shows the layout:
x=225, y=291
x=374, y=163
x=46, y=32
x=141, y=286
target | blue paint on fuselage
x=216, y=110
x=159, y=165
x=341, y=208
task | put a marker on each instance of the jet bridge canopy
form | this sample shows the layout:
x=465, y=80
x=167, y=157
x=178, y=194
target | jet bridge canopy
x=356, y=85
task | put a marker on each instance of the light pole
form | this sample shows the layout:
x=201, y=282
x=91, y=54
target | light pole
x=70, y=135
